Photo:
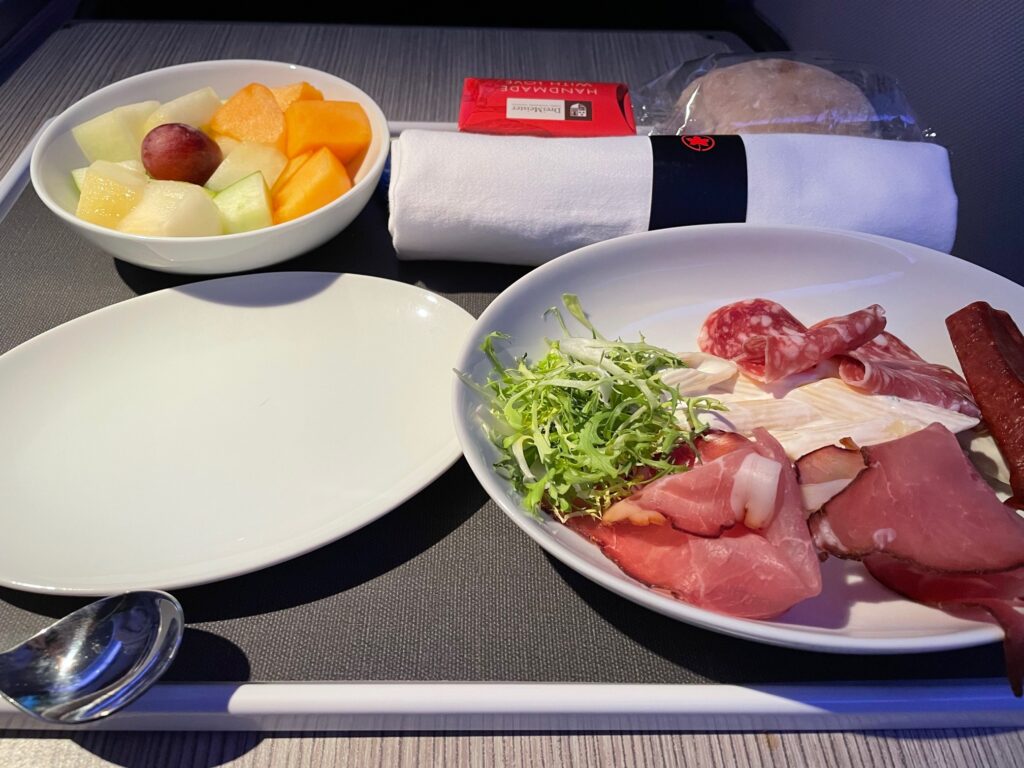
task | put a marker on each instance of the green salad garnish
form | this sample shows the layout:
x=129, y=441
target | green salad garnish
x=589, y=422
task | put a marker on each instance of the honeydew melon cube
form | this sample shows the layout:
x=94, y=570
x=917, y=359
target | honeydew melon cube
x=226, y=143
x=115, y=135
x=78, y=175
x=245, y=159
x=110, y=192
x=195, y=109
x=173, y=209
x=245, y=205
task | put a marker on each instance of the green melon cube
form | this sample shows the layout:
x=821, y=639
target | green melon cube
x=115, y=135
x=195, y=109
x=109, y=193
x=245, y=205
x=245, y=159
x=173, y=209
x=78, y=175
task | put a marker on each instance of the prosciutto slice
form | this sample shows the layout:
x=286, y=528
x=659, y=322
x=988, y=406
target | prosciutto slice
x=710, y=497
x=768, y=343
x=999, y=594
x=740, y=572
x=921, y=501
x=887, y=366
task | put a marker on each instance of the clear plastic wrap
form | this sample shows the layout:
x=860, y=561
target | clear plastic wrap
x=776, y=93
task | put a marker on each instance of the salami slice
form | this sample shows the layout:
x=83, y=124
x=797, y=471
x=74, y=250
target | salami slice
x=887, y=366
x=736, y=330
x=768, y=343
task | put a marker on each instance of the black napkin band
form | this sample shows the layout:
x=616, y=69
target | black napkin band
x=698, y=180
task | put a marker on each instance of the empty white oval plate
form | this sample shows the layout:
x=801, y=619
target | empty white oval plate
x=210, y=430
x=664, y=284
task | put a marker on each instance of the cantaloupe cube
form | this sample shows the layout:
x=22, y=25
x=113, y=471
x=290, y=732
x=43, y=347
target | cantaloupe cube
x=289, y=170
x=352, y=166
x=317, y=182
x=286, y=94
x=341, y=126
x=252, y=115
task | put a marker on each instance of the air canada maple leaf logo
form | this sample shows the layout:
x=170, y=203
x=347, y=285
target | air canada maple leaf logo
x=699, y=143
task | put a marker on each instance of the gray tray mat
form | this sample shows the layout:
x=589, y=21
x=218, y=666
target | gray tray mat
x=443, y=588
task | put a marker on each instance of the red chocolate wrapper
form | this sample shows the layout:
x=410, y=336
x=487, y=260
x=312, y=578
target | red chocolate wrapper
x=546, y=108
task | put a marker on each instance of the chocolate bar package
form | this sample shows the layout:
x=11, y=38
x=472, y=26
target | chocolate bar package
x=546, y=108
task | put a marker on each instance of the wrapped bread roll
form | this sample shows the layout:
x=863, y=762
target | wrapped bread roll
x=774, y=96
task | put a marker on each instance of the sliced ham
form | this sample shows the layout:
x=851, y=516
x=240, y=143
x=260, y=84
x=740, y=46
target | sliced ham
x=921, y=501
x=741, y=571
x=887, y=366
x=1000, y=594
x=768, y=343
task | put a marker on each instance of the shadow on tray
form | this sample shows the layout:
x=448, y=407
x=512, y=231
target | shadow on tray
x=394, y=539
x=718, y=658
x=363, y=248
x=387, y=543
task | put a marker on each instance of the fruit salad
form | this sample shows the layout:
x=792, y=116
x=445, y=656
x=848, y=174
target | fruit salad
x=198, y=166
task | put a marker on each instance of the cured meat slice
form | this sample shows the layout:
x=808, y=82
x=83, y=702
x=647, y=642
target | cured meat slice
x=768, y=343
x=696, y=501
x=788, y=532
x=921, y=500
x=727, y=330
x=991, y=352
x=739, y=573
x=713, y=496
x=742, y=572
x=825, y=472
x=823, y=340
x=1000, y=594
x=712, y=445
x=887, y=366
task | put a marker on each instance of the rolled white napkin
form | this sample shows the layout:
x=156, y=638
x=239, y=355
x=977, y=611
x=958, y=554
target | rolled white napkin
x=526, y=200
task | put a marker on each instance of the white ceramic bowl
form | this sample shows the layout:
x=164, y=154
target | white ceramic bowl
x=56, y=154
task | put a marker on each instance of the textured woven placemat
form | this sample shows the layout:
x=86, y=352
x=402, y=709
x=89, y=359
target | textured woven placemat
x=443, y=588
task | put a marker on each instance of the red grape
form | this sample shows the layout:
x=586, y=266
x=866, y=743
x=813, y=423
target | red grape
x=179, y=152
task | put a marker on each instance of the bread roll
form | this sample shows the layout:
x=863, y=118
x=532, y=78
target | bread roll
x=774, y=96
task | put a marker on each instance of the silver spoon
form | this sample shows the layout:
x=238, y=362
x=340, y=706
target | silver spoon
x=94, y=661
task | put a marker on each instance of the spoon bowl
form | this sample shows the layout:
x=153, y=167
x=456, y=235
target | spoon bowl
x=95, y=661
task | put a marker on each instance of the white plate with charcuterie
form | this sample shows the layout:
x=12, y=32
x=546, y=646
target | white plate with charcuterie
x=762, y=431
